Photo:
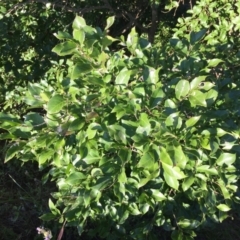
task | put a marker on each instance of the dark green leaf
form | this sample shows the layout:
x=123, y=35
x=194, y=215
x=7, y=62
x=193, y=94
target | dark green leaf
x=197, y=36
x=65, y=48
x=79, y=69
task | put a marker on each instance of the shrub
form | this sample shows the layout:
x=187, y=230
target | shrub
x=138, y=139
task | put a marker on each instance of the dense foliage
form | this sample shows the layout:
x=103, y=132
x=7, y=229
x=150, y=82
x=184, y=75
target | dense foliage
x=138, y=137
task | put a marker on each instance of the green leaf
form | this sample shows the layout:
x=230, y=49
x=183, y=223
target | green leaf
x=102, y=183
x=214, y=62
x=192, y=121
x=92, y=130
x=187, y=183
x=35, y=119
x=197, y=36
x=164, y=157
x=182, y=88
x=173, y=171
x=157, y=97
x=118, y=133
x=62, y=35
x=150, y=75
x=196, y=82
x=173, y=120
x=179, y=157
x=75, y=178
x=122, y=178
x=48, y=217
x=45, y=155
x=223, y=207
x=53, y=208
x=171, y=181
x=226, y=158
x=79, y=69
x=132, y=39
x=224, y=190
x=92, y=156
x=147, y=161
x=8, y=118
x=55, y=104
x=189, y=224
x=206, y=169
x=157, y=195
x=13, y=151
x=77, y=124
x=110, y=22
x=79, y=35
x=123, y=77
x=65, y=48
x=133, y=208
x=78, y=23
x=197, y=98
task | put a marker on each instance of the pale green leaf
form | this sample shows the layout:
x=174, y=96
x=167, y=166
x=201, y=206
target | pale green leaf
x=192, y=121
x=196, y=81
x=223, y=207
x=214, y=62
x=164, y=157
x=187, y=183
x=173, y=171
x=171, y=181
x=226, y=158
x=110, y=22
x=75, y=178
x=197, y=98
x=157, y=195
x=182, y=88
x=123, y=77
x=78, y=23
x=55, y=104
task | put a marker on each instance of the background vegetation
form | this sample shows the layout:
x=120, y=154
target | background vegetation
x=121, y=120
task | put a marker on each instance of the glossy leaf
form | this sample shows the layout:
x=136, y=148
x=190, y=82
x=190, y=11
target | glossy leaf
x=164, y=157
x=189, y=224
x=79, y=23
x=223, y=207
x=173, y=171
x=197, y=98
x=214, y=62
x=158, y=196
x=192, y=121
x=110, y=22
x=182, y=88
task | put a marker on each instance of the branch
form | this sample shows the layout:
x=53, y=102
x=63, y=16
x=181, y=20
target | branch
x=154, y=24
